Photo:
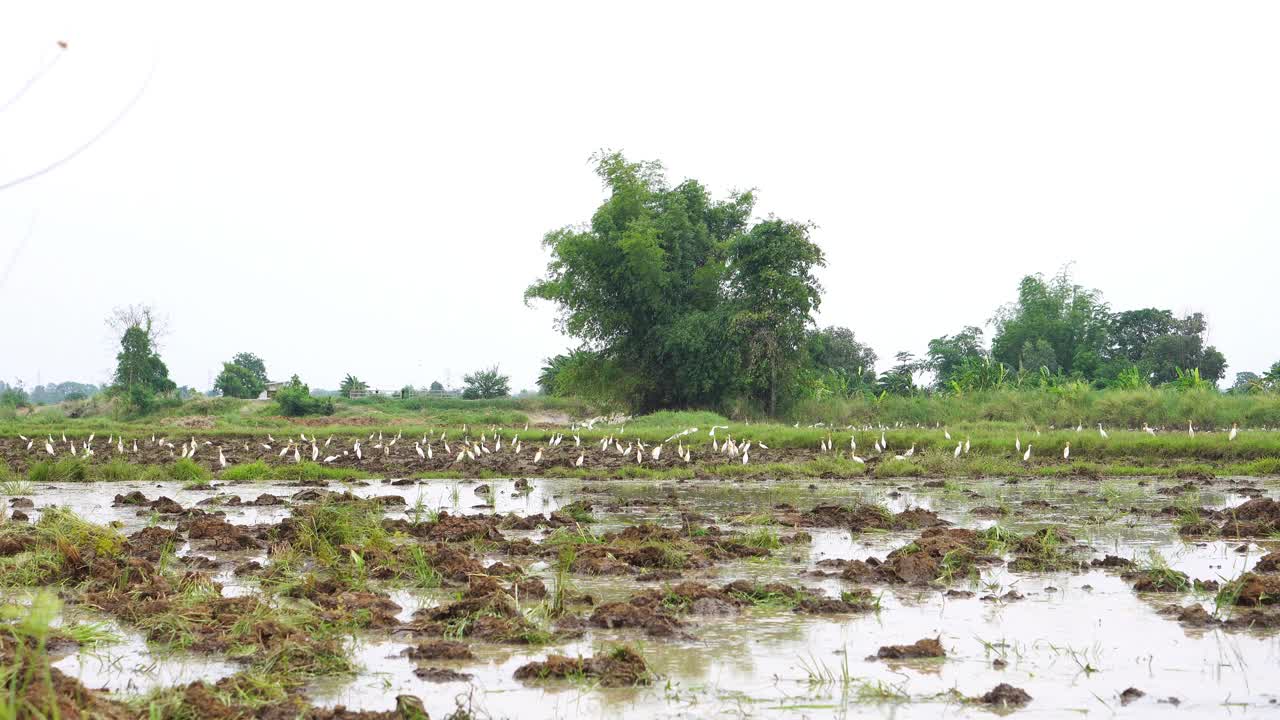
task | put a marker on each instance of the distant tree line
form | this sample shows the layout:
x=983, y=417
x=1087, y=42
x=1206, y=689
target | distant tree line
x=679, y=300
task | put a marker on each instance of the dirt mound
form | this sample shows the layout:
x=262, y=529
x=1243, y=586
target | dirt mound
x=1257, y=517
x=655, y=622
x=621, y=667
x=440, y=650
x=938, y=554
x=218, y=534
x=860, y=517
x=1006, y=696
x=1253, y=589
x=149, y=542
x=923, y=648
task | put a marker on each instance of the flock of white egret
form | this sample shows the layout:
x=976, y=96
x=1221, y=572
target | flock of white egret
x=491, y=442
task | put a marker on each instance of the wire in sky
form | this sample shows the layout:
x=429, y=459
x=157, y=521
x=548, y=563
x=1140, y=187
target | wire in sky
x=31, y=81
x=17, y=252
x=91, y=141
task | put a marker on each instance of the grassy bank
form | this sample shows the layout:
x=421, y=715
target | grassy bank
x=1158, y=407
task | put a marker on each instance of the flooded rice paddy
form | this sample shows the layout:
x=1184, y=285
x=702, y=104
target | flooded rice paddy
x=1073, y=636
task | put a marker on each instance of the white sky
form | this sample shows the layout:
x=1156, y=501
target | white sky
x=362, y=187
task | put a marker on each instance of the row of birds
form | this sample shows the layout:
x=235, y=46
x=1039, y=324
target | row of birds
x=470, y=449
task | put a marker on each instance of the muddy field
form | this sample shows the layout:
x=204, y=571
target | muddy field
x=571, y=598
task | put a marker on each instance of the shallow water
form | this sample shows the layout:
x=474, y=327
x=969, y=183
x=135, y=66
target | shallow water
x=1074, y=643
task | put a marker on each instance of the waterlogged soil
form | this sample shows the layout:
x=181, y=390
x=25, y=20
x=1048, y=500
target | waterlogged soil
x=736, y=598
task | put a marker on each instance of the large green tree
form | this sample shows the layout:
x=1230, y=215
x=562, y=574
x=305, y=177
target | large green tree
x=837, y=350
x=486, y=384
x=140, y=373
x=773, y=294
x=244, y=377
x=1055, y=324
x=1182, y=349
x=950, y=353
x=659, y=288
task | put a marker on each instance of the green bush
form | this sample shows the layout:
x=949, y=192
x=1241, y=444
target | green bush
x=295, y=400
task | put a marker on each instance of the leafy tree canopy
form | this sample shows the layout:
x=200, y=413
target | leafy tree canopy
x=486, y=384
x=949, y=353
x=140, y=373
x=244, y=377
x=680, y=298
x=1055, y=324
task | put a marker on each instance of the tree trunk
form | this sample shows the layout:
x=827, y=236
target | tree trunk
x=773, y=387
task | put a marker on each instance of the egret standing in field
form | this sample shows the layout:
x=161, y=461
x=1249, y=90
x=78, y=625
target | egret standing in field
x=1026, y=456
x=959, y=449
x=1066, y=452
x=1191, y=430
x=1017, y=442
x=1235, y=430
x=1102, y=432
x=222, y=459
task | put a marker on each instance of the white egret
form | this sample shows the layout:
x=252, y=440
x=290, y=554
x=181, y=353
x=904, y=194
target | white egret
x=1102, y=432
x=1066, y=452
x=1235, y=430
x=1026, y=456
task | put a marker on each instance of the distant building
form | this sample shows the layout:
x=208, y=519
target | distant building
x=272, y=389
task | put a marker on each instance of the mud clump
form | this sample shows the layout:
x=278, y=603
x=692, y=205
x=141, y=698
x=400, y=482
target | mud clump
x=1255, y=589
x=484, y=613
x=1131, y=694
x=440, y=650
x=450, y=528
x=858, y=518
x=938, y=554
x=923, y=648
x=149, y=542
x=621, y=667
x=1192, y=616
x=435, y=674
x=218, y=534
x=1258, y=517
x=368, y=609
x=1159, y=580
x=654, y=622
x=1006, y=696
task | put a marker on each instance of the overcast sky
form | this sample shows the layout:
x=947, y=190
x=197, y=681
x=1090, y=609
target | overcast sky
x=363, y=187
